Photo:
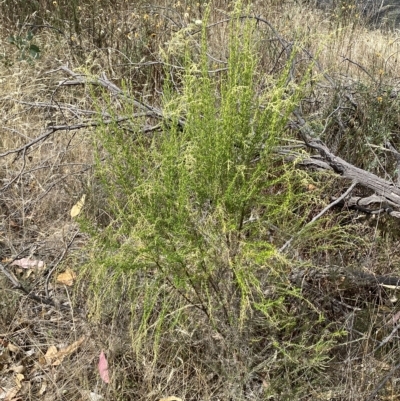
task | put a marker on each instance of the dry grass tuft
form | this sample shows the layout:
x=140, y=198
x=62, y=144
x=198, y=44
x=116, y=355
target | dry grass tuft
x=40, y=184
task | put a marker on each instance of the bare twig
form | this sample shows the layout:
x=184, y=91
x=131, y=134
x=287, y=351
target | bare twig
x=19, y=174
x=386, y=339
x=320, y=214
x=42, y=137
x=54, y=128
x=18, y=286
x=12, y=278
x=107, y=84
x=46, y=287
x=396, y=154
x=383, y=382
x=359, y=66
x=63, y=106
x=384, y=188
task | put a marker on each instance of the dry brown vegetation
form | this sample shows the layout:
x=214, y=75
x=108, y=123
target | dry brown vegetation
x=39, y=184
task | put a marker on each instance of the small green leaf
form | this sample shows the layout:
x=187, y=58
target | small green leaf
x=34, y=51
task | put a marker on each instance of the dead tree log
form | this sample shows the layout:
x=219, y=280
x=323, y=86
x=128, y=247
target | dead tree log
x=387, y=193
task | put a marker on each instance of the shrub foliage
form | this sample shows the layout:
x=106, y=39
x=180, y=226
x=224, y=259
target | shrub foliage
x=190, y=209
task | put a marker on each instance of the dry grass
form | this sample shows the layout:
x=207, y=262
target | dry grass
x=39, y=187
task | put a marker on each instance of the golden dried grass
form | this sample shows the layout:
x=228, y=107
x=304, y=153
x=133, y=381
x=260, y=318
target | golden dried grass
x=35, y=206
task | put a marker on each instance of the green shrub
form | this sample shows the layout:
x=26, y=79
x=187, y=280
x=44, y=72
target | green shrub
x=188, y=238
x=28, y=51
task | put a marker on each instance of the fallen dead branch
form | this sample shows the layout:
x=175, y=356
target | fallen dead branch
x=104, y=82
x=386, y=192
x=315, y=218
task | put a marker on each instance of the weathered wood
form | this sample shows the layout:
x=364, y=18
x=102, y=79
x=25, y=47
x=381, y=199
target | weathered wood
x=346, y=277
x=382, y=187
x=386, y=193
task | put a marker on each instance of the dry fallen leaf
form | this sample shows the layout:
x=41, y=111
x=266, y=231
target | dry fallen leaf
x=4, y=351
x=12, y=348
x=95, y=397
x=67, y=278
x=393, y=320
x=19, y=377
x=43, y=387
x=77, y=208
x=55, y=357
x=27, y=263
x=172, y=398
x=103, y=368
x=49, y=356
x=17, y=369
x=11, y=393
x=4, y=356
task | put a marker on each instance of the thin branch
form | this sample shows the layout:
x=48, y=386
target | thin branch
x=388, y=190
x=107, y=84
x=12, y=278
x=386, y=339
x=320, y=214
x=46, y=286
x=19, y=174
x=383, y=382
x=18, y=286
x=54, y=128
x=21, y=148
x=359, y=66
x=396, y=154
